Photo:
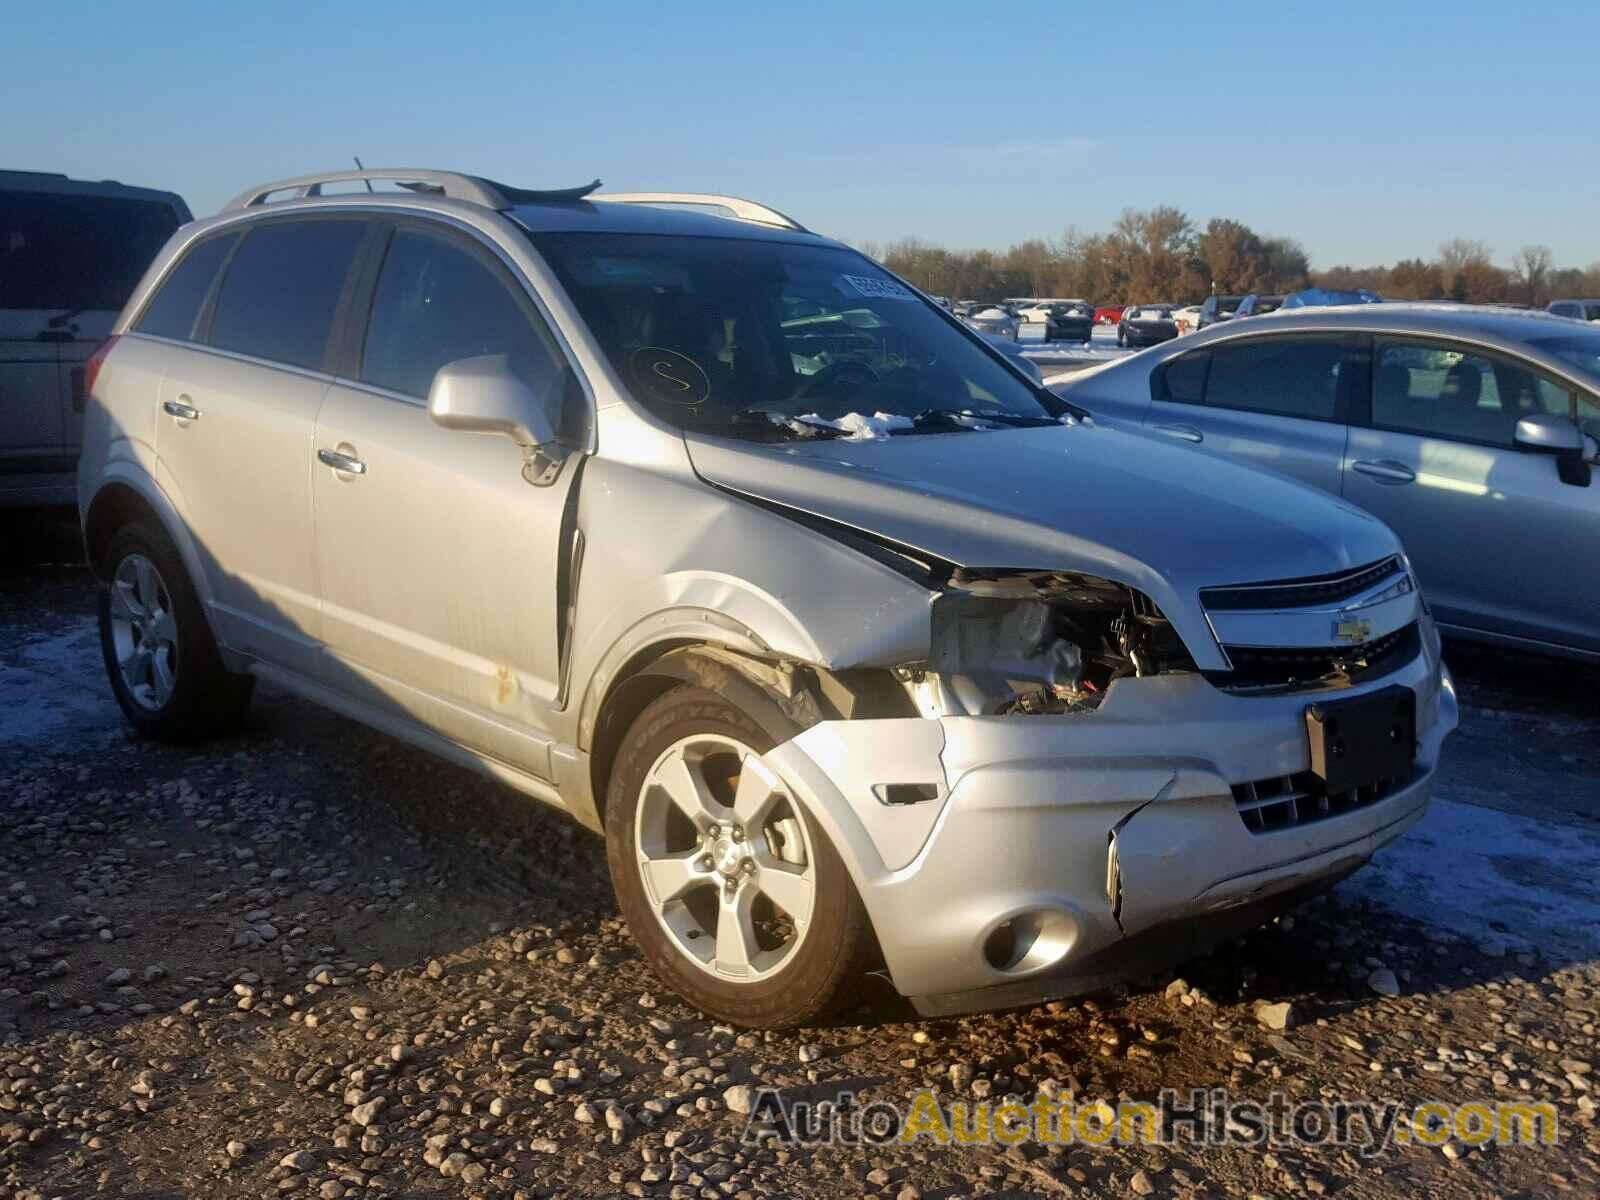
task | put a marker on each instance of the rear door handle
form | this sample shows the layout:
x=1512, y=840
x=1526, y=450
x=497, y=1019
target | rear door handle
x=181, y=409
x=342, y=462
x=1385, y=470
x=1187, y=432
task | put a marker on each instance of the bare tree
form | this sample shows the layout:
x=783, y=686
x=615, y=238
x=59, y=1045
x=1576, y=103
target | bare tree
x=1531, y=272
x=1462, y=252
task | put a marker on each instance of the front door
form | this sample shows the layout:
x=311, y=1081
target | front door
x=1500, y=544
x=438, y=561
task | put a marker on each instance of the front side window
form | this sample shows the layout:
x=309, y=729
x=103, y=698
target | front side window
x=760, y=338
x=1442, y=391
x=438, y=302
x=175, y=307
x=1285, y=376
x=77, y=252
x=281, y=290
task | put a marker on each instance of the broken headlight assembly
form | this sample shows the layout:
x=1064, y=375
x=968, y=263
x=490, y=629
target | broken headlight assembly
x=1045, y=642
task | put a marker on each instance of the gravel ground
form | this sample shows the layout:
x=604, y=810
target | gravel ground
x=310, y=961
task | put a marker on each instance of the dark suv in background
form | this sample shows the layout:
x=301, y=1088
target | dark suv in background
x=1218, y=308
x=71, y=252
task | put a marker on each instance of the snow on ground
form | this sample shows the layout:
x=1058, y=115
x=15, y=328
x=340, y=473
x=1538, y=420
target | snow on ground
x=1498, y=879
x=54, y=683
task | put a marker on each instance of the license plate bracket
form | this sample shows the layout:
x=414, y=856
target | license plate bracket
x=1359, y=742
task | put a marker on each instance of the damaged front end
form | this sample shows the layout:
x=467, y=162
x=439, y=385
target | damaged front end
x=1038, y=643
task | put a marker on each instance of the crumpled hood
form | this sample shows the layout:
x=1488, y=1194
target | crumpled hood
x=1165, y=519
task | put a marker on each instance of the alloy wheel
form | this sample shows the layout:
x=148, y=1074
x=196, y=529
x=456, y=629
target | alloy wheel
x=725, y=858
x=144, y=632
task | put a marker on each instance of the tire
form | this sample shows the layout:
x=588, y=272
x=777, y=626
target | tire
x=175, y=688
x=786, y=982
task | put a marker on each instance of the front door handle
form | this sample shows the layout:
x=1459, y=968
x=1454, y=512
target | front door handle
x=1385, y=470
x=1187, y=432
x=181, y=408
x=347, y=463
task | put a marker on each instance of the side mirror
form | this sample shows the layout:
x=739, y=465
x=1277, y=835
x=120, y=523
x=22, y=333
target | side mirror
x=1546, y=433
x=484, y=395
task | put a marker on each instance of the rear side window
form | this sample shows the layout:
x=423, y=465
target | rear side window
x=1286, y=376
x=282, y=289
x=77, y=252
x=1182, y=380
x=175, y=307
x=437, y=301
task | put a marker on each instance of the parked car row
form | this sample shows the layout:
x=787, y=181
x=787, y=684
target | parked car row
x=1472, y=432
x=1063, y=320
x=862, y=650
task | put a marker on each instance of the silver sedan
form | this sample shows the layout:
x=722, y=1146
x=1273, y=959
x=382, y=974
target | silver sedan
x=1472, y=432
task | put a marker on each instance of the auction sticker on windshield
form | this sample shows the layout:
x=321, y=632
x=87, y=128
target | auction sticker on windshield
x=874, y=289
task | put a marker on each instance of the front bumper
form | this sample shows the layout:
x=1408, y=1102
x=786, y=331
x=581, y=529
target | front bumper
x=1058, y=853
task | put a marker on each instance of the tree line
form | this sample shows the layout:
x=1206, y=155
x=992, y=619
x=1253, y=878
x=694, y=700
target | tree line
x=1160, y=254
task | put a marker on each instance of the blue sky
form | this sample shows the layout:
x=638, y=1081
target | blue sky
x=1369, y=131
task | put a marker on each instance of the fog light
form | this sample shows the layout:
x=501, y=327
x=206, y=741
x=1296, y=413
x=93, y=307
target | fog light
x=1030, y=940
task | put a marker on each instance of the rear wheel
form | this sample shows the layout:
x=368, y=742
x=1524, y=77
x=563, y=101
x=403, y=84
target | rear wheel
x=159, y=654
x=729, y=886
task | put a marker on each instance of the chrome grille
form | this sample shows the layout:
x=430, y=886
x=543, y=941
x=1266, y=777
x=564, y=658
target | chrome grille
x=1285, y=801
x=1266, y=667
x=1311, y=592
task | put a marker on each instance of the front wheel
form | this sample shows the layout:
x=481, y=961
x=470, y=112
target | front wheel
x=729, y=886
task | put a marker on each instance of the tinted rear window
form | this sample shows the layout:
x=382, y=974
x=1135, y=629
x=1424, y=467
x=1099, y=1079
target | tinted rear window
x=172, y=311
x=76, y=252
x=1182, y=380
x=282, y=287
x=1292, y=377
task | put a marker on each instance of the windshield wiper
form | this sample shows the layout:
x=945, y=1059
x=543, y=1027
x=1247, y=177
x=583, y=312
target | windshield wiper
x=968, y=419
x=765, y=420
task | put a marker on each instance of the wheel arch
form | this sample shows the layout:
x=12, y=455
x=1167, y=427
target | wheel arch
x=126, y=497
x=769, y=691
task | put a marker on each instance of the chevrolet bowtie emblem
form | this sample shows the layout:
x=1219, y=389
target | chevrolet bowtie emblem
x=1352, y=630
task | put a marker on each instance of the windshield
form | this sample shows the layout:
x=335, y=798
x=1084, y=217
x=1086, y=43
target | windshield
x=1581, y=350
x=765, y=338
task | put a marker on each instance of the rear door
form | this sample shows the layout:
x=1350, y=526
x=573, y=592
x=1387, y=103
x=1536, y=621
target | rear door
x=234, y=431
x=1276, y=401
x=1500, y=544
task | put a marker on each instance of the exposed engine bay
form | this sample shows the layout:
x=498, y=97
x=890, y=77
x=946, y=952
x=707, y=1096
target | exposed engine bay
x=1044, y=642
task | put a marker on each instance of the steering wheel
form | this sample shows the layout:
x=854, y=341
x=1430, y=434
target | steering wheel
x=852, y=372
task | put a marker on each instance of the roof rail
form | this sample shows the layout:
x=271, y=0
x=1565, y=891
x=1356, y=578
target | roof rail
x=744, y=210
x=455, y=186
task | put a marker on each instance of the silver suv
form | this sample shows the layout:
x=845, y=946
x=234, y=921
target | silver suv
x=860, y=649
